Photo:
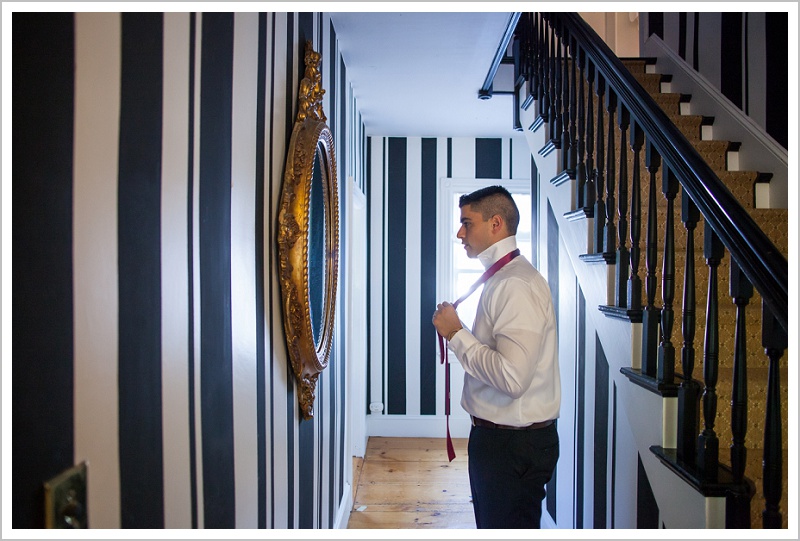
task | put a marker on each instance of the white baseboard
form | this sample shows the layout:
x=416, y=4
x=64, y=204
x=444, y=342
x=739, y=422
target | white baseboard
x=345, y=505
x=419, y=426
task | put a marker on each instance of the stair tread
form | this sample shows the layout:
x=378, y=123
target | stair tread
x=669, y=102
x=635, y=65
x=774, y=223
x=650, y=81
x=690, y=126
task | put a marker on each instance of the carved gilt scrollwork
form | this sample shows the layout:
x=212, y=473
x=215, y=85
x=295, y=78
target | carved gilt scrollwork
x=311, y=142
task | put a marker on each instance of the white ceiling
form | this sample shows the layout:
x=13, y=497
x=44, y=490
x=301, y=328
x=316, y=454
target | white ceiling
x=418, y=74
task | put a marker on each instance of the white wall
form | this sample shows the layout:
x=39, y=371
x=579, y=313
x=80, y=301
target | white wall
x=620, y=31
x=223, y=441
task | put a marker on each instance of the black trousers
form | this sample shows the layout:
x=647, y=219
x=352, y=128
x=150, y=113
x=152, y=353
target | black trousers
x=508, y=471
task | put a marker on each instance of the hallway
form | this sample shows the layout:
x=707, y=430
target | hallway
x=408, y=483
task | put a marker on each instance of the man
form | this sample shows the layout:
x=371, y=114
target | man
x=512, y=386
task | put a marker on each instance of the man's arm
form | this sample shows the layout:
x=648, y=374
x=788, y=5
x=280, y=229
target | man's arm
x=516, y=321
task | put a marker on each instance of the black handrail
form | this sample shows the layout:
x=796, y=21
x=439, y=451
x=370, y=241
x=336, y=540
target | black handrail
x=754, y=252
x=485, y=91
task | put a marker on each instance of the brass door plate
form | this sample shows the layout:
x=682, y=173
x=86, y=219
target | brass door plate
x=65, y=499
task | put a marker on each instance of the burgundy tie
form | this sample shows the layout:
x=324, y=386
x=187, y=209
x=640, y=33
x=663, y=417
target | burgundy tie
x=451, y=453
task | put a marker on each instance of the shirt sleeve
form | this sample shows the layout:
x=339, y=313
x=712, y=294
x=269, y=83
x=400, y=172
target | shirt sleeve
x=516, y=320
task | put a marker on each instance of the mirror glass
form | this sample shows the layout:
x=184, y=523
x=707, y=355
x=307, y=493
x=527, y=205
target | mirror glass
x=316, y=244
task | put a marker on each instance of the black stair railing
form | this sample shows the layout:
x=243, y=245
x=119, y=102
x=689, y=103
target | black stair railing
x=576, y=105
x=757, y=256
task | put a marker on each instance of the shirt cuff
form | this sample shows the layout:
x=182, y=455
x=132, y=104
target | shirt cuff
x=460, y=339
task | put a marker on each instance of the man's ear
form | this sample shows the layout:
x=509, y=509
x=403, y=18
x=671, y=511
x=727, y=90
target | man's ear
x=497, y=223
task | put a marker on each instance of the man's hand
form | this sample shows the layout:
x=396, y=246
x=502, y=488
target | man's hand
x=445, y=319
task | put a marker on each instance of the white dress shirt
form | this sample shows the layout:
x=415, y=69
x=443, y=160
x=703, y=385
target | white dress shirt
x=510, y=357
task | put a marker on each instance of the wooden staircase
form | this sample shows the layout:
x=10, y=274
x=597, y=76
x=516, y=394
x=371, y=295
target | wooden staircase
x=707, y=339
x=720, y=155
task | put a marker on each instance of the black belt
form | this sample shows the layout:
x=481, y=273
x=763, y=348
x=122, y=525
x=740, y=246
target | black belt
x=477, y=421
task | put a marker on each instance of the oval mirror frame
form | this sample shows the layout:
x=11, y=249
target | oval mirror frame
x=311, y=140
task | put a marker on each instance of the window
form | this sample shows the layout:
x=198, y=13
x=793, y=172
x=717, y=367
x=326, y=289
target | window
x=457, y=272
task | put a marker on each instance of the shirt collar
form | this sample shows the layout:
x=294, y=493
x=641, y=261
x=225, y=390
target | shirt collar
x=497, y=250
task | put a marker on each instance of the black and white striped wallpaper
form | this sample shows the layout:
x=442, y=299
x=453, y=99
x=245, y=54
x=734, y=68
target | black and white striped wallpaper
x=744, y=55
x=148, y=157
x=404, y=373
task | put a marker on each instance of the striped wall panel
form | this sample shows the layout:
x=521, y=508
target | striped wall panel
x=646, y=504
x=43, y=318
x=602, y=409
x=554, y=274
x=581, y=411
x=139, y=268
x=744, y=55
x=148, y=340
x=176, y=283
x=96, y=284
x=404, y=173
x=215, y=392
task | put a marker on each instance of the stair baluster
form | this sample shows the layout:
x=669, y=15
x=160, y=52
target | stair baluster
x=599, y=181
x=519, y=79
x=564, y=99
x=552, y=88
x=533, y=67
x=544, y=68
x=738, y=504
x=524, y=61
x=590, y=192
x=651, y=314
x=774, y=339
x=689, y=391
x=634, y=282
x=572, y=158
x=580, y=167
x=609, y=229
x=623, y=256
x=741, y=292
x=666, y=351
x=708, y=443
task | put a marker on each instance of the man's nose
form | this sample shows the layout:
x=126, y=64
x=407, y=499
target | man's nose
x=460, y=233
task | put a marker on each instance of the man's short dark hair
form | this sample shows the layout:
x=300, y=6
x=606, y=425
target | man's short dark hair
x=493, y=200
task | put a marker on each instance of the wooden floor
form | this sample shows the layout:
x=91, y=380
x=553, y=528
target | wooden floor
x=409, y=483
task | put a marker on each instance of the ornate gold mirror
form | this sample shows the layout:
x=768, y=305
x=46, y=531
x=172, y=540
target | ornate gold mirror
x=308, y=237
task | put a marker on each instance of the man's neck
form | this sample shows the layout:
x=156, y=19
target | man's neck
x=497, y=250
